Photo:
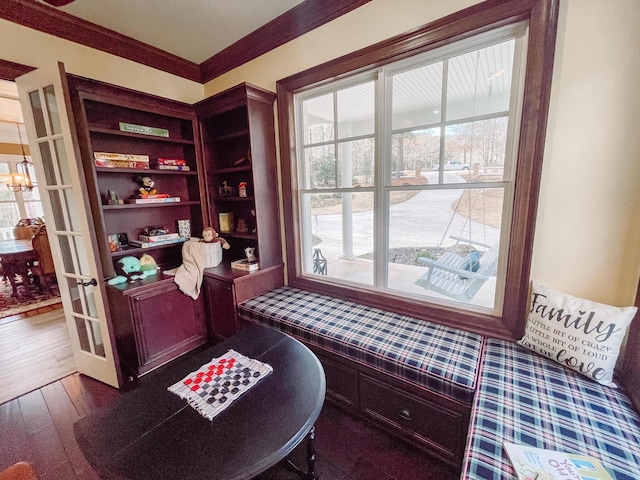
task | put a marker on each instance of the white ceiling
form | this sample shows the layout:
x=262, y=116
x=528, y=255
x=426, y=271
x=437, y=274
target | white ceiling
x=194, y=30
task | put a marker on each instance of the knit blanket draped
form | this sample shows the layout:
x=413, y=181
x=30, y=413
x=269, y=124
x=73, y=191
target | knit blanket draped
x=189, y=275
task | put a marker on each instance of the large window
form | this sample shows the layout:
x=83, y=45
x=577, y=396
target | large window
x=411, y=169
x=16, y=205
x=406, y=172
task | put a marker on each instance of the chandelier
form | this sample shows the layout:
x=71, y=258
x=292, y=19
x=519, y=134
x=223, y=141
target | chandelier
x=21, y=180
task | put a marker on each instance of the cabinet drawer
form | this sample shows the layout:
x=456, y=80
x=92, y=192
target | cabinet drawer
x=413, y=415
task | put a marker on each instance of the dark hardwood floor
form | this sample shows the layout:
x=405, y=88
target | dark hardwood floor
x=38, y=428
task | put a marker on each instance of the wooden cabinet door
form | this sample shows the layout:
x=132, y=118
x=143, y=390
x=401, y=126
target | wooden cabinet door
x=221, y=310
x=167, y=324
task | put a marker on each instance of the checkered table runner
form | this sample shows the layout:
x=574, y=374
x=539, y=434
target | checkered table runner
x=215, y=385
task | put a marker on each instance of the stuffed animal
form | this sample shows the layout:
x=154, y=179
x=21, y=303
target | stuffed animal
x=148, y=264
x=127, y=269
x=147, y=186
x=209, y=235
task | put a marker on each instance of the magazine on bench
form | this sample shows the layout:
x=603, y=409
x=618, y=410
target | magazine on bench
x=539, y=464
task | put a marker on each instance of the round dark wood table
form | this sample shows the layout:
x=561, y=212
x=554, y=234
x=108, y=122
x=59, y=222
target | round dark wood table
x=150, y=433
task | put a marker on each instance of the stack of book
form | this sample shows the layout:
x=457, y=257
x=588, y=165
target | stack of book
x=157, y=198
x=171, y=164
x=146, y=241
x=121, y=160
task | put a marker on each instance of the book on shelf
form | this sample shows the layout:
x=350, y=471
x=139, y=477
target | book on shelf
x=155, y=195
x=169, y=241
x=245, y=265
x=178, y=168
x=154, y=200
x=168, y=161
x=121, y=160
x=158, y=238
x=532, y=463
x=143, y=129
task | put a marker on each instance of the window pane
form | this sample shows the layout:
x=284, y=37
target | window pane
x=356, y=108
x=319, y=168
x=417, y=97
x=47, y=163
x=38, y=114
x=479, y=82
x=413, y=153
x=318, y=120
x=34, y=209
x=441, y=229
x=475, y=151
x=52, y=108
x=355, y=163
x=340, y=226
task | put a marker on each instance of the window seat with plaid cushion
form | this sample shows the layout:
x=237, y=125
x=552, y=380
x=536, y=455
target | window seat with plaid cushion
x=527, y=399
x=415, y=378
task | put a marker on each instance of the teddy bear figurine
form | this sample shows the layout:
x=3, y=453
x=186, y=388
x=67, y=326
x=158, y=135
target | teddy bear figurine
x=147, y=186
x=209, y=235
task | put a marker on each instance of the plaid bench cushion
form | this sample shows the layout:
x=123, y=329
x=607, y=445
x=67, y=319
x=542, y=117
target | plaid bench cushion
x=527, y=399
x=440, y=358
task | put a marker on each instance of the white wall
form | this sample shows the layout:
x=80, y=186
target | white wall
x=588, y=227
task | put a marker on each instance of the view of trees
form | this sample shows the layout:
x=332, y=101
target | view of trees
x=481, y=142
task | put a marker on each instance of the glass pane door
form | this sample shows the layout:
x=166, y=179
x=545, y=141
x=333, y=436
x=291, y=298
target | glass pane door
x=47, y=111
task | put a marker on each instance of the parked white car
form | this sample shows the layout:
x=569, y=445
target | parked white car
x=456, y=166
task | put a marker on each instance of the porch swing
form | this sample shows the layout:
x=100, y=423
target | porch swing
x=454, y=275
x=460, y=276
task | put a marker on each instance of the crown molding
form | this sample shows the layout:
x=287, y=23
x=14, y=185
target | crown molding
x=47, y=19
x=299, y=20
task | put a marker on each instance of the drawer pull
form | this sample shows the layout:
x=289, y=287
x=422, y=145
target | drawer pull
x=405, y=415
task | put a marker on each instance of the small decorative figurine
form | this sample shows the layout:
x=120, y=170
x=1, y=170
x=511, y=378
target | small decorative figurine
x=147, y=186
x=225, y=190
x=250, y=252
x=242, y=189
x=242, y=227
x=209, y=235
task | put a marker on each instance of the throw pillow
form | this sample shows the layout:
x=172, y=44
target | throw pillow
x=471, y=263
x=577, y=333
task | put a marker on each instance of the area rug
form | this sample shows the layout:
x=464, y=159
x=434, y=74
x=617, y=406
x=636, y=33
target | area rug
x=10, y=305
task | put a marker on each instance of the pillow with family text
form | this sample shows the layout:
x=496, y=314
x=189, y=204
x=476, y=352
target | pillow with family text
x=577, y=333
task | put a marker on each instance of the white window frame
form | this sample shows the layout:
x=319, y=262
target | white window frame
x=542, y=19
x=382, y=134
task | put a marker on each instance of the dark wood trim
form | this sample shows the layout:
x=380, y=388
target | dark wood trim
x=543, y=17
x=60, y=24
x=299, y=20
x=11, y=71
x=631, y=363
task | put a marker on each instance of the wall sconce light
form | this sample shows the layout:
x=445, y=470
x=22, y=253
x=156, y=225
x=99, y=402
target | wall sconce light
x=21, y=180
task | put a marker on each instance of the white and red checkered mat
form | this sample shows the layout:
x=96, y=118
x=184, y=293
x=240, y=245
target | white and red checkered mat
x=215, y=385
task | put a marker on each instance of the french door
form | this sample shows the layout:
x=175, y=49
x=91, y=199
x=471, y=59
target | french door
x=46, y=106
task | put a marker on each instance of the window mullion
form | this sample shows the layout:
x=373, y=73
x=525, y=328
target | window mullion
x=383, y=173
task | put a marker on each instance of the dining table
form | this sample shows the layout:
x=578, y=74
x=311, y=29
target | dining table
x=15, y=258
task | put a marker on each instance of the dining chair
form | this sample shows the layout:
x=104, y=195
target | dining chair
x=43, y=268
